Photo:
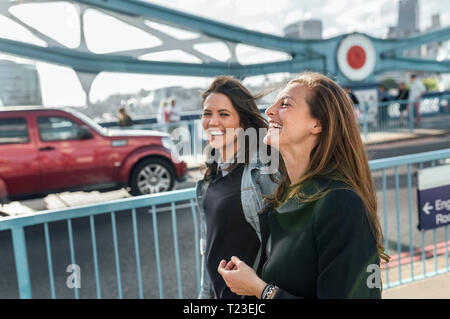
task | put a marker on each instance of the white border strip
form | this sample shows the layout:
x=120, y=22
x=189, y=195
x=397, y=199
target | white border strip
x=433, y=177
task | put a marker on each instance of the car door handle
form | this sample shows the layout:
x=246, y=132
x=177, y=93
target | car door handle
x=47, y=148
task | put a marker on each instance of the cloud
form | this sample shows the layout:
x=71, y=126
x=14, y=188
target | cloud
x=330, y=32
x=13, y=31
x=265, y=27
x=373, y=17
x=60, y=85
x=297, y=15
x=260, y=7
x=247, y=54
x=336, y=7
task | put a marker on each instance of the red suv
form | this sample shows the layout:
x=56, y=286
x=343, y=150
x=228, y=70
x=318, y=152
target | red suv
x=46, y=150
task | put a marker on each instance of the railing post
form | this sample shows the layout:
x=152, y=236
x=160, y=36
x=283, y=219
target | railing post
x=193, y=132
x=411, y=115
x=365, y=120
x=191, y=128
x=20, y=257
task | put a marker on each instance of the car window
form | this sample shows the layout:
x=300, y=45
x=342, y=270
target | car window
x=54, y=128
x=13, y=131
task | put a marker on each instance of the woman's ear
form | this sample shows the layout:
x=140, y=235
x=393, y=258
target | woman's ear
x=317, y=127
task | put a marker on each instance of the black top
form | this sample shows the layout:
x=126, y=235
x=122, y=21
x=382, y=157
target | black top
x=322, y=249
x=353, y=98
x=403, y=95
x=228, y=233
x=125, y=121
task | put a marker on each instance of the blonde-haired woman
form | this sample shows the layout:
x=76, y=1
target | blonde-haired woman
x=325, y=235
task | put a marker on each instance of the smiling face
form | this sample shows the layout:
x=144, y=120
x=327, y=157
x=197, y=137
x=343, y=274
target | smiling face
x=290, y=120
x=219, y=115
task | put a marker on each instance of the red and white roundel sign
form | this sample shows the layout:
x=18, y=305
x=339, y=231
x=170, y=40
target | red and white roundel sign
x=356, y=57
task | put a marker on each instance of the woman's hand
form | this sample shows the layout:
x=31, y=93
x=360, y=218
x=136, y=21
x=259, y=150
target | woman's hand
x=240, y=278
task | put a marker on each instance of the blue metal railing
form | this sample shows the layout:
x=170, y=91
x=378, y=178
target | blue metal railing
x=17, y=227
x=400, y=244
x=397, y=173
x=400, y=115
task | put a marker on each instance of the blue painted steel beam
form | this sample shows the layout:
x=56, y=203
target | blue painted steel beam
x=203, y=25
x=398, y=45
x=314, y=55
x=390, y=64
x=240, y=35
x=409, y=159
x=95, y=63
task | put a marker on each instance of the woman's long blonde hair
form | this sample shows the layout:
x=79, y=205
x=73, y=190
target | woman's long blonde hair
x=339, y=154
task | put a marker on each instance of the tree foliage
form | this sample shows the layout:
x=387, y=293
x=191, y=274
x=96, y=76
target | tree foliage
x=431, y=84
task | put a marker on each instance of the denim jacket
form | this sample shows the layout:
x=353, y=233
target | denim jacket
x=254, y=184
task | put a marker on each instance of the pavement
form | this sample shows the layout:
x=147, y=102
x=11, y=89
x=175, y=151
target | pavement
x=437, y=287
x=430, y=270
x=401, y=135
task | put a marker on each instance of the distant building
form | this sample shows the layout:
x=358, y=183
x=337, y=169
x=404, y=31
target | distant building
x=19, y=84
x=407, y=24
x=408, y=18
x=432, y=49
x=307, y=29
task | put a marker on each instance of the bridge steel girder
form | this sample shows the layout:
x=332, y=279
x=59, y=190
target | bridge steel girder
x=388, y=52
x=199, y=24
x=95, y=63
x=396, y=46
x=390, y=64
x=314, y=55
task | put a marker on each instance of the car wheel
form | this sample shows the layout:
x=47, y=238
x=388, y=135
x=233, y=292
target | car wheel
x=152, y=176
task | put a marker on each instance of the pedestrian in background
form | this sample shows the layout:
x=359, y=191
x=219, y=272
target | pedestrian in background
x=352, y=96
x=174, y=115
x=356, y=106
x=383, y=98
x=416, y=91
x=230, y=194
x=163, y=115
x=124, y=118
x=402, y=97
x=324, y=228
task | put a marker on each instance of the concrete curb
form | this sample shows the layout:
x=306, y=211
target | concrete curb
x=416, y=137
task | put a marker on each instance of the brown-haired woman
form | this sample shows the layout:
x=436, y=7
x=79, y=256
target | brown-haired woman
x=230, y=195
x=325, y=236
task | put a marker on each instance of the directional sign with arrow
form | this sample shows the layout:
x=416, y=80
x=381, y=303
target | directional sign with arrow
x=433, y=194
x=426, y=208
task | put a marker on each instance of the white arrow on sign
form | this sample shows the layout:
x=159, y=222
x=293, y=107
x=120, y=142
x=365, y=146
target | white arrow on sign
x=427, y=207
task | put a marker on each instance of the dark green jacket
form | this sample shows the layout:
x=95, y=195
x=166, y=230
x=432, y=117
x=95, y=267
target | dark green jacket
x=322, y=249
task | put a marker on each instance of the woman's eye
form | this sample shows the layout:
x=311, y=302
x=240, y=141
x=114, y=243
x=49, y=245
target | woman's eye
x=206, y=114
x=284, y=104
x=224, y=114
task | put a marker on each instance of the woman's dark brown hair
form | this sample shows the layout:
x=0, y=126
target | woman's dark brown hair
x=245, y=105
x=339, y=154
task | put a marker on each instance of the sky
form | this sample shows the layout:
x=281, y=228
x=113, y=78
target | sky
x=105, y=34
